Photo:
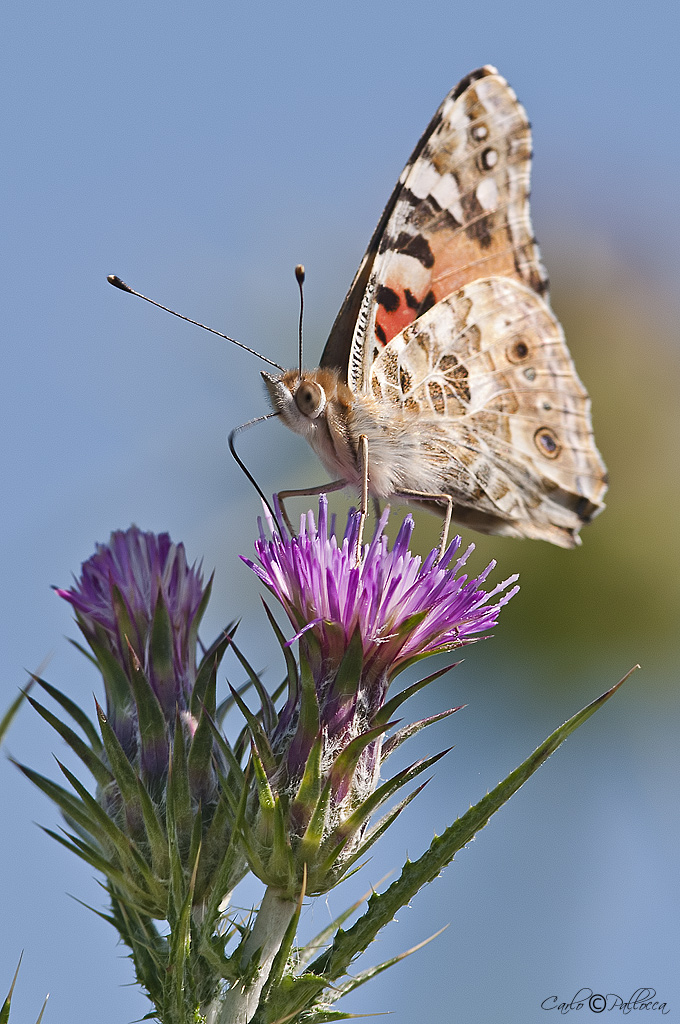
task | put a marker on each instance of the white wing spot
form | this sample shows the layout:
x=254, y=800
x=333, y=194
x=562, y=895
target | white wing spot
x=447, y=194
x=489, y=158
x=487, y=194
x=424, y=179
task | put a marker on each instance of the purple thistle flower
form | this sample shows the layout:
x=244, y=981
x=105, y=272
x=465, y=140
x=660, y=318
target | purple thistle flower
x=139, y=603
x=358, y=625
x=139, y=568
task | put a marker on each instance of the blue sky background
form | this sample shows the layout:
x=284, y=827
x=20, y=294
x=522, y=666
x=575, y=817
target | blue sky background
x=200, y=151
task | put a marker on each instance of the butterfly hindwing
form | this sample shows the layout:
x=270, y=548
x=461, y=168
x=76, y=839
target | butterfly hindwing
x=487, y=376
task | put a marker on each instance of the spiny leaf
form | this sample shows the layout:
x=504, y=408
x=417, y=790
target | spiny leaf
x=291, y=666
x=375, y=833
x=399, y=737
x=90, y=759
x=353, y=823
x=348, y=758
x=116, y=682
x=305, y=953
x=383, y=907
x=199, y=760
x=72, y=709
x=125, y=775
x=269, y=716
x=192, y=638
x=181, y=795
x=360, y=979
x=161, y=643
x=309, y=789
x=4, y=1011
x=390, y=707
x=210, y=663
x=257, y=733
x=347, y=679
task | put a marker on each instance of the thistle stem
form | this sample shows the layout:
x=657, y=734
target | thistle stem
x=240, y=1003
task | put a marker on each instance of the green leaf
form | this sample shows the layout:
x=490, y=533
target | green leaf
x=155, y=833
x=135, y=896
x=135, y=867
x=291, y=665
x=382, y=907
x=347, y=679
x=115, y=680
x=9, y=715
x=363, y=976
x=83, y=650
x=389, y=708
x=161, y=643
x=72, y=709
x=308, y=719
x=348, y=758
x=4, y=1011
x=92, y=761
x=353, y=823
x=399, y=737
x=257, y=734
x=70, y=805
x=280, y=864
x=230, y=869
x=309, y=789
x=292, y=996
x=375, y=833
x=235, y=781
x=178, y=790
x=269, y=716
x=192, y=638
x=125, y=627
x=153, y=730
x=264, y=791
x=210, y=663
x=219, y=868
x=124, y=773
x=199, y=762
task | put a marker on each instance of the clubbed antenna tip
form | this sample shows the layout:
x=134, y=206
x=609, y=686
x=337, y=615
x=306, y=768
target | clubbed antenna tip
x=117, y=283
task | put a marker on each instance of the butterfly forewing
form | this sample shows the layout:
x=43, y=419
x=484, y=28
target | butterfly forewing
x=459, y=212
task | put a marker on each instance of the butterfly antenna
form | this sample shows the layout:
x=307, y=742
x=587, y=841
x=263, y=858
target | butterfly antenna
x=241, y=464
x=300, y=278
x=117, y=283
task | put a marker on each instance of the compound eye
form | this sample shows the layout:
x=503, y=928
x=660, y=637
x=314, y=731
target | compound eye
x=310, y=399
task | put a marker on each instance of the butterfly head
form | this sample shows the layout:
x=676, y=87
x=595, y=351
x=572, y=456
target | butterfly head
x=316, y=405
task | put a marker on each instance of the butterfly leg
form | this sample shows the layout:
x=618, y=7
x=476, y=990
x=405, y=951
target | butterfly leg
x=444, y=499
x=334, y=485
x=363, y=509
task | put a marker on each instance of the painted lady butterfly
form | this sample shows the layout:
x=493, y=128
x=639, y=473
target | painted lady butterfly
x=445, y=355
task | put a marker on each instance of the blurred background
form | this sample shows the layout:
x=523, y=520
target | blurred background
x=200, y=151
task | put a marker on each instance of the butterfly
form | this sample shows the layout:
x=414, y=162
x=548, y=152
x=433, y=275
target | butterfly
x=446, y=365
